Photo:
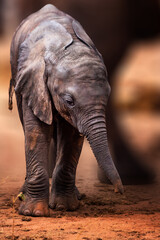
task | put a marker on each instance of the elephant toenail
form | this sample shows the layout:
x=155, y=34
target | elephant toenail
x=60, y=207
x=37, y=213
x=27, y=212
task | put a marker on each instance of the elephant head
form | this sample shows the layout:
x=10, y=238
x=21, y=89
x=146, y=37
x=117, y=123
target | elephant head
x=56, y=68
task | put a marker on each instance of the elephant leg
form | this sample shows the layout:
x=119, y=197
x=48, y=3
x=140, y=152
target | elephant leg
x=64, y=194
x=36, y=186
x=52, y=153
x=20, y=111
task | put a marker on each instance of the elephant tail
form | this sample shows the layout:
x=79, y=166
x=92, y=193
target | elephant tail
x=11, y=91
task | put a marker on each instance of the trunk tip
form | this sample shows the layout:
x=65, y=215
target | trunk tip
x=118, y=187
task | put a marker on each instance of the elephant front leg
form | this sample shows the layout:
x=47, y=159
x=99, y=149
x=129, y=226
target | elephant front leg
x=64, y=194
x=36, y=187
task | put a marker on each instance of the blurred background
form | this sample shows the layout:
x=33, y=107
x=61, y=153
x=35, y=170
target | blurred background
x=127, y=33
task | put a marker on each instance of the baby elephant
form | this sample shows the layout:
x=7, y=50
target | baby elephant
x=61, y=87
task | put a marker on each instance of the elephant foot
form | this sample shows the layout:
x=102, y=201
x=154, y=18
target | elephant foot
x=65, y=202
x=34, y=207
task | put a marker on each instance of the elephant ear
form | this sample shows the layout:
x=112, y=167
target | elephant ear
x=83, y=37
x=31, y=84
x=43, y=45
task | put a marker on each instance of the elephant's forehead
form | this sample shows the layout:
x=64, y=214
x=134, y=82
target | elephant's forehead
x=86, y=90
x=84, y=66
x=85, y=81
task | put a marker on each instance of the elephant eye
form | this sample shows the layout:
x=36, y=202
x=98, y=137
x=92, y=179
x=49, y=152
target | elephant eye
x=68, y=100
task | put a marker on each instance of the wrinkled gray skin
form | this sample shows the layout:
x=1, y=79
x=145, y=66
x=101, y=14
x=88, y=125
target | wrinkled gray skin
x=61, y=89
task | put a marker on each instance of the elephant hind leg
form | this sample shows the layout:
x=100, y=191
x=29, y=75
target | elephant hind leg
x=52, y=153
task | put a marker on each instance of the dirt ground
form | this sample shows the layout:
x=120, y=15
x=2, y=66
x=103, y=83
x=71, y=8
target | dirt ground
x=102, y=213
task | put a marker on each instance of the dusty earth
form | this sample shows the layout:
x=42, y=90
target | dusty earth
x=102, y=213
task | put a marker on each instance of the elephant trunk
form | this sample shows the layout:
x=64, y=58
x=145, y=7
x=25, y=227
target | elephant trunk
x=96, y=133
